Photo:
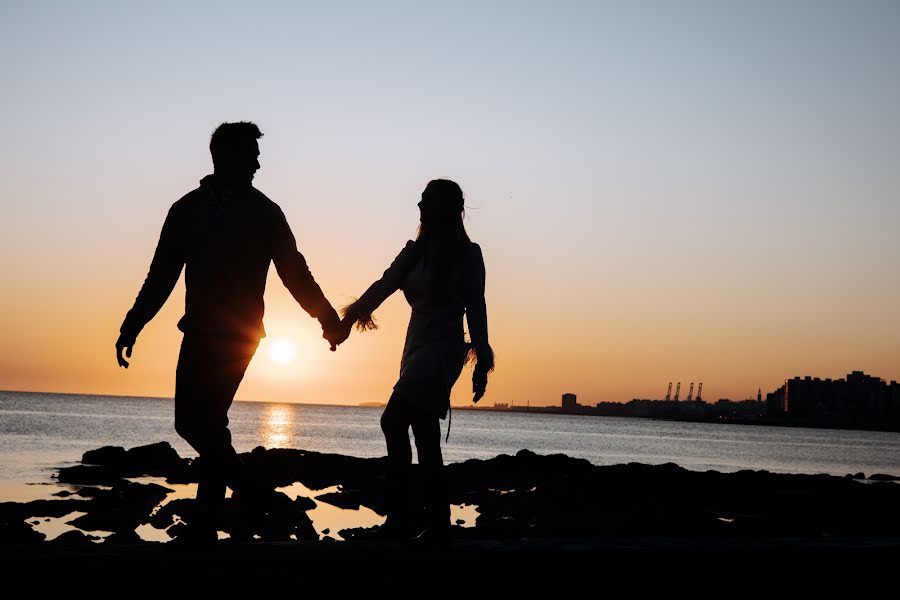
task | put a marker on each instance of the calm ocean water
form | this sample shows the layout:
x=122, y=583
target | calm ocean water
x=40, y=432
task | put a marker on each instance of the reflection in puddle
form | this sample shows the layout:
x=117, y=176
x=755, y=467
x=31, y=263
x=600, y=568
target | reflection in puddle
x=326, y=517
x=149, y=533
x=297, y=489
x=53, y=527
x=463, y=515
x=180, y=491
x=330, y=518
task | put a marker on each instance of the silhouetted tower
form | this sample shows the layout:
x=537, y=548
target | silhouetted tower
x=699, y=389
x=669, y=393
x=677, y=391
x=691, y=393
x=759, y=395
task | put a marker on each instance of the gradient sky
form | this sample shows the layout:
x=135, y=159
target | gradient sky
x=664, y=191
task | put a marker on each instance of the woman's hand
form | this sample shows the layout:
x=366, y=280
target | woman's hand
x=479, y=382
x=338, y=334
x=484, y=364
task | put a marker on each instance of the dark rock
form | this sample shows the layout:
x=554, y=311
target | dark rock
x=281, y=467
x=189, y=472
x=183, y=508
x=859, y=475
x=121, y=509
x=123, y=537
x=90, y=475
x=90, y=492
x=153, y=459
x=532, y=496
x=111, y=463
x=19, y=532
x=51, y=508
x=285, y=518
x=354, y=533
x=74, y=537
x=178, y=529
x=12, y=511
x=303, y=503
x=63, y=494
x=882, y=477
x=107, y=455
x=349, y=499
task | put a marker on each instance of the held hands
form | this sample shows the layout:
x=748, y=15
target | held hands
x=127, y=344
x=337, y=333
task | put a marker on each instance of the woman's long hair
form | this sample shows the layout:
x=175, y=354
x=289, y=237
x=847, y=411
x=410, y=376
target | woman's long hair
x=441, y=244
x=442, y=239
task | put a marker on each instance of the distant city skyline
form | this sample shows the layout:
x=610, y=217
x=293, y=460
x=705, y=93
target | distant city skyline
x=574, y=398
x=693, y=191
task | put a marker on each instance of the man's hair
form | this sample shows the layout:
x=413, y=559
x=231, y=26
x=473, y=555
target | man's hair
x=229, y=136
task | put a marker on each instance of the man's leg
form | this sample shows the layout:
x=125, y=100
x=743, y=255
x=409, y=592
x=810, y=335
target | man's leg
x=209, y=372
x=395, y=426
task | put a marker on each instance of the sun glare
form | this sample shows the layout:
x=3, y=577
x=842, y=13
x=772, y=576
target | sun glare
x=282, y=352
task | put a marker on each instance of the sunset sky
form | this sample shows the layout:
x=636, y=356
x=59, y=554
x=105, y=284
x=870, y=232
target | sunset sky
x=663, y=191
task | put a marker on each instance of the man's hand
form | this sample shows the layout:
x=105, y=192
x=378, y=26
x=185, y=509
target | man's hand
x=338, y=334
x=479, y=382
x=126, y=344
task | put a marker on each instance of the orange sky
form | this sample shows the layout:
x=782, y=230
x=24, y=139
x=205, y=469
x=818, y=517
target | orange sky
x=658, y=197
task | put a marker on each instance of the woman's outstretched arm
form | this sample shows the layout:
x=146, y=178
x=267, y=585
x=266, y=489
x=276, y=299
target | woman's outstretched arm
x=359, y=312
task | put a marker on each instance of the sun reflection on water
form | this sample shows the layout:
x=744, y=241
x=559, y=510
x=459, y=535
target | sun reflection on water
x=277, y=426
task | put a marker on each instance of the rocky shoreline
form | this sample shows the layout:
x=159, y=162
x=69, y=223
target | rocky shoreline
x=531, y=509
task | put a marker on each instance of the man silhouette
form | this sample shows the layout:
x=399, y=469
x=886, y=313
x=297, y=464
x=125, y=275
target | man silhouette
x=225, y=233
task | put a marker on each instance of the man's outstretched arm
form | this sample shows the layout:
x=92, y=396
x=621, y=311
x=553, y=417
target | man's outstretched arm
x=297, y=278
x=161, y=279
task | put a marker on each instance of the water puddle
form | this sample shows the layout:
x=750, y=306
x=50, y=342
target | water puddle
x=463, y=515
x=328, y=520
x=53, y=527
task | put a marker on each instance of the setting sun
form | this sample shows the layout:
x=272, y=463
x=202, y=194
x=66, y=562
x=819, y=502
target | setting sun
x=282, y=352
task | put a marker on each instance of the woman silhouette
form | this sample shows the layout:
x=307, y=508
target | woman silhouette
x=442, y=276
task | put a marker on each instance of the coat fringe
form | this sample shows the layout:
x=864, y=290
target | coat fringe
x=472, y=357
x=361, y=322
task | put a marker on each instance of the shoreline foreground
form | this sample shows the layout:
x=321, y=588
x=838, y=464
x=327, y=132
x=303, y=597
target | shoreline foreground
x=541, y=519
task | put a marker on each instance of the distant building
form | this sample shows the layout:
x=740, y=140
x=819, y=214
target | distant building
x=860, y=400
x=569, y=402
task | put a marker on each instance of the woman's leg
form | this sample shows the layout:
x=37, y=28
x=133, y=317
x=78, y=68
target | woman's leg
x=427, y=431
x=395, y=422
